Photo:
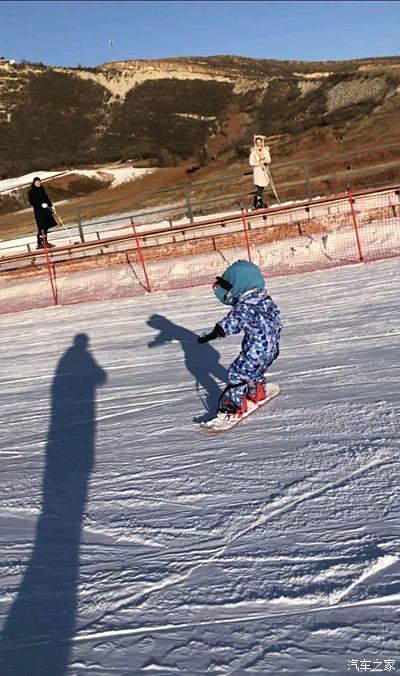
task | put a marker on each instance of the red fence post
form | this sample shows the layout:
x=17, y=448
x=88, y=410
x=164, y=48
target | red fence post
x=49, y=270
x=246, y=233
x=354, y=217
x=140, y=252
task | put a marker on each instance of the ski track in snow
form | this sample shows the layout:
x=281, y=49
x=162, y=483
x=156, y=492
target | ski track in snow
x=272, y=547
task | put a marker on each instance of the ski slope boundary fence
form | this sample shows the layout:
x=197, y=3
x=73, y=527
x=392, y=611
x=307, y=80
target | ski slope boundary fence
x=293, y=238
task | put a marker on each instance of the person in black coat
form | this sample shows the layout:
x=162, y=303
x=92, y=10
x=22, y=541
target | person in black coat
x=42, y=208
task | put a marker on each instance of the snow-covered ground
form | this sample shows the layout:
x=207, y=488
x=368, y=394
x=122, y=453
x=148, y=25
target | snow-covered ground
x=134, y=543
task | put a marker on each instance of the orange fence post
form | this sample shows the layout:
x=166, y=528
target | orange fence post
x=246, y=233
x=140, y=252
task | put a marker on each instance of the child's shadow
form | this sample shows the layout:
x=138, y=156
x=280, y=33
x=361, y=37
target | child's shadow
x=201, y=360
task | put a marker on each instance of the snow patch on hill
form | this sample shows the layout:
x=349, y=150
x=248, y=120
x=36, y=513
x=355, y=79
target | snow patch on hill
x=117, y=175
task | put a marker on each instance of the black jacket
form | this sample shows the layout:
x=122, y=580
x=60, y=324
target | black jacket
x=44, y=217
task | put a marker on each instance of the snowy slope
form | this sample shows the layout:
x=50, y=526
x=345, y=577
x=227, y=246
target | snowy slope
x=9, y=184
x=119, y=175
x=133, y=543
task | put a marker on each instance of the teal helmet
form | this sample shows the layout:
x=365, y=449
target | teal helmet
x=240, y=277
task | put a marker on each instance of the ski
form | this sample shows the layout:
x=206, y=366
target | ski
x=223, y=423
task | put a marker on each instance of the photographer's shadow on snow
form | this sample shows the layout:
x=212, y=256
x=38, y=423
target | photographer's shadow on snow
x=41, y=623
x=202, y=361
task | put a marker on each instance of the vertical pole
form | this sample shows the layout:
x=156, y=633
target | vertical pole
x=140, y=252
x=48, y=264
x=392, y=206
x=188, y=204
x=79, y=222
x=246, y=234
x=355, y=224
x=307, y=180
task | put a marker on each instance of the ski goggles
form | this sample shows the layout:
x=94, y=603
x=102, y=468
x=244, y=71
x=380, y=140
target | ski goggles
x=222, y=290
x=220, y=281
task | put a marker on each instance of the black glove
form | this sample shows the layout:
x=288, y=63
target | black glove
x=217, y=332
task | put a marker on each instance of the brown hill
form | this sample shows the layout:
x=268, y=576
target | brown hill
x=199, y=110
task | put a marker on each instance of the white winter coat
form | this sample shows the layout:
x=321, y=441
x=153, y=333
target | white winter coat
x=257, y=160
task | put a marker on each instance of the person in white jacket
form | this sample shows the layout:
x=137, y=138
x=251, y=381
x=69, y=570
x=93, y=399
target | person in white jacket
x=259, y=159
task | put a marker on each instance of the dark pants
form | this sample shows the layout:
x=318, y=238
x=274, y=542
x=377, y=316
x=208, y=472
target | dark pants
x=42, y=234
x=258, y=197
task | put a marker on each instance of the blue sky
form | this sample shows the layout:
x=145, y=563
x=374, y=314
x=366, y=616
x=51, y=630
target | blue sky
x=72, y=33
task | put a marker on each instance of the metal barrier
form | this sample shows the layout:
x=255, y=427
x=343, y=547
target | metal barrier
x=348, y=228
x=299, y=179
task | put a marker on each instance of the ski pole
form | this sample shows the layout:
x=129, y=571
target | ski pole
x=272, y=184
x=62, y=223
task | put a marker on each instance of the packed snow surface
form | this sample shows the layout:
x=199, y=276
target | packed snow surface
x=132, y=542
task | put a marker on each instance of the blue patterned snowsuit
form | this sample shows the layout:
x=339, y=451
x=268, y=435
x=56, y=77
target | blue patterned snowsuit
x=257, y=315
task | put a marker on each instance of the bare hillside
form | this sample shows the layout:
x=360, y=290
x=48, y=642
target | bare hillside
x=201, y=110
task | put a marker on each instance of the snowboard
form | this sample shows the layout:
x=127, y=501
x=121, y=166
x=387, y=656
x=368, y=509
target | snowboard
x=223, y=423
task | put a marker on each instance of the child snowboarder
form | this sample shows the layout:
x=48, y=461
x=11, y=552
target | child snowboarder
x=243, y=287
